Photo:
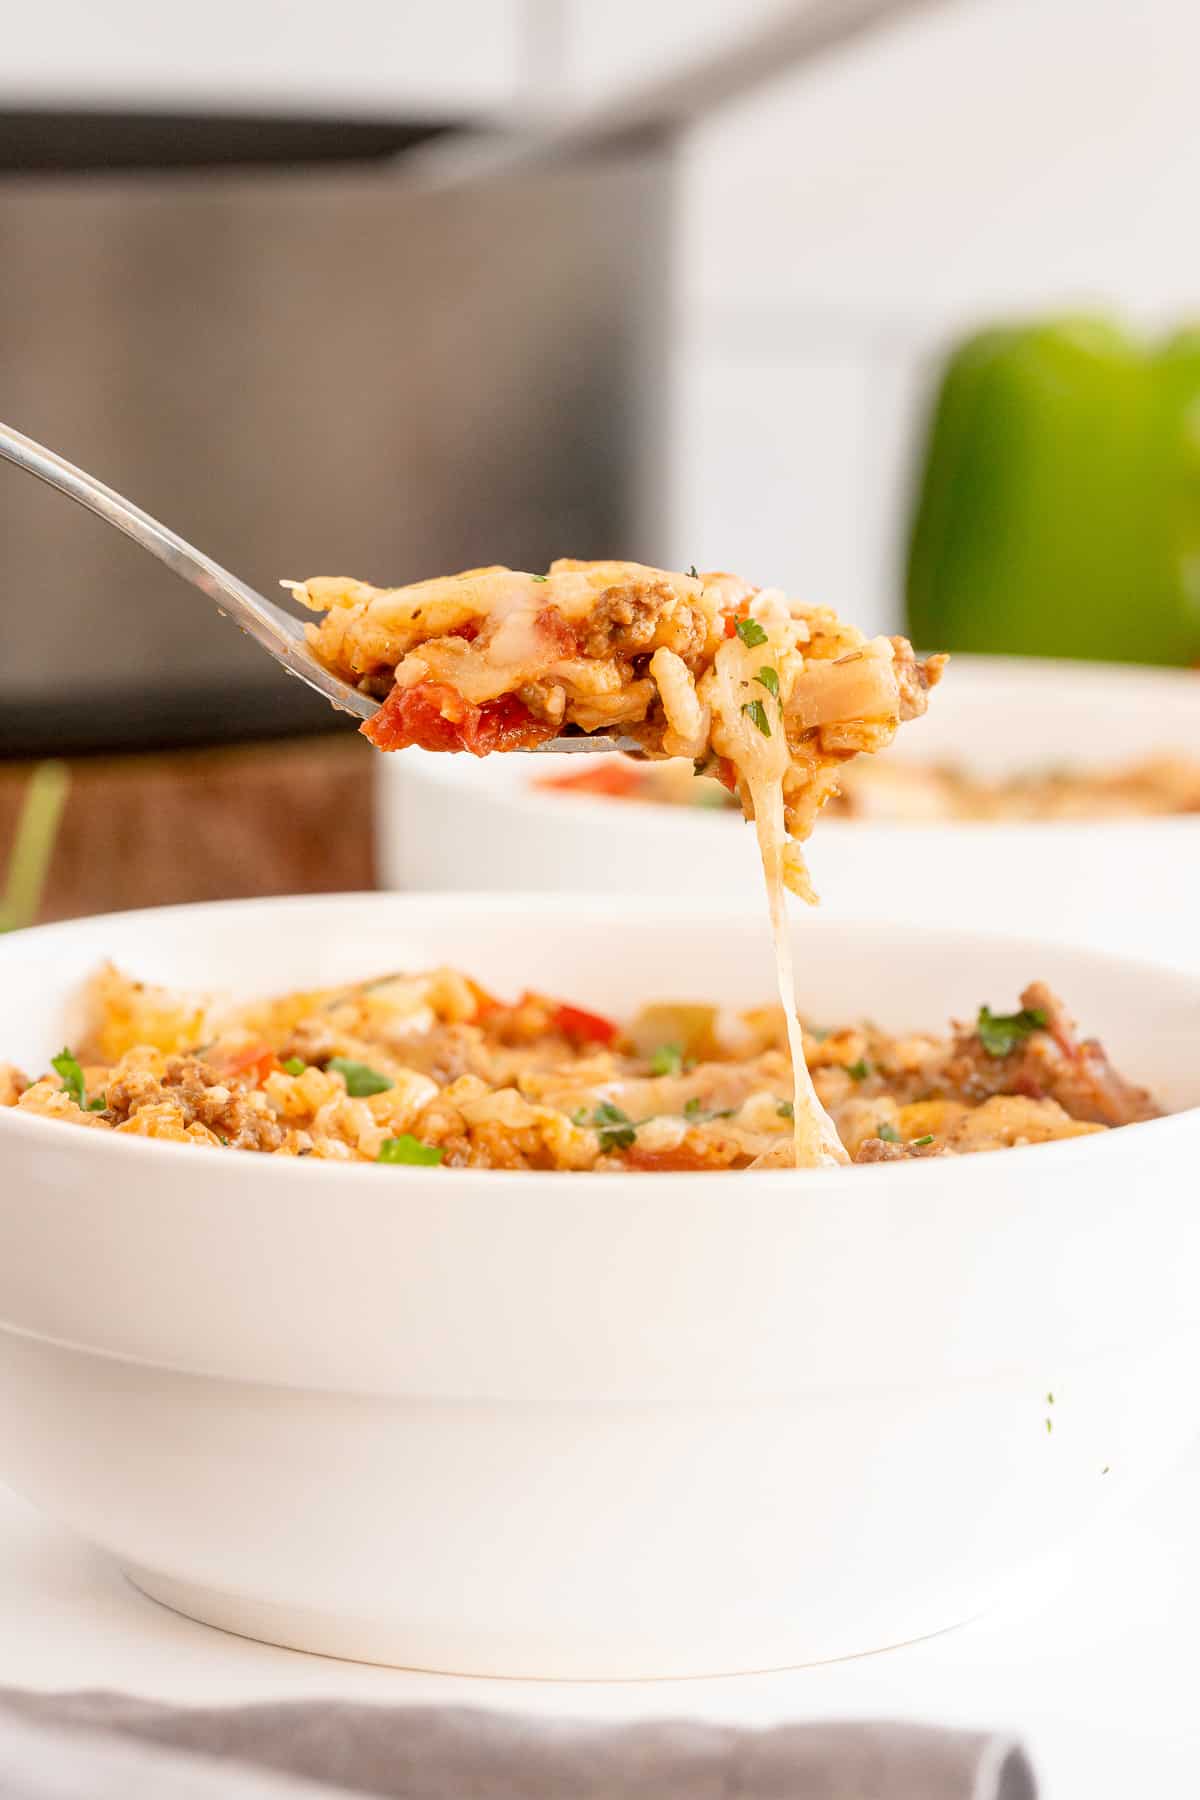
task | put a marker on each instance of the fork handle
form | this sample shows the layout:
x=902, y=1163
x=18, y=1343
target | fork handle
x=115, y=510
x=269, y=625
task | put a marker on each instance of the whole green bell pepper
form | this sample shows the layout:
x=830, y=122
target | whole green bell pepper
x=1058, y=512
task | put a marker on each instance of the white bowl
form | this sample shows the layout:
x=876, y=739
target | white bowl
x=622, y=1425
x=452, y=822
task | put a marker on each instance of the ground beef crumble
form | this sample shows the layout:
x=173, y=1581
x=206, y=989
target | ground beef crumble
x=238, y=1118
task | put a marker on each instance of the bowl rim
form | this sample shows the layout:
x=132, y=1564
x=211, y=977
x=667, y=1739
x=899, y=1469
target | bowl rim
x=32, y=1127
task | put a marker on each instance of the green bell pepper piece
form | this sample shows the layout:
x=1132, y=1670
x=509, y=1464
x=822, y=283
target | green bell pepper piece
x=1058, y=513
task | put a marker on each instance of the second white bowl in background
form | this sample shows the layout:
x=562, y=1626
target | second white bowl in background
x=452, y=822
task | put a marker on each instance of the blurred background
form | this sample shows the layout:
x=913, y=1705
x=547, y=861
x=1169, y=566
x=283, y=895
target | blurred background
x=893, y=304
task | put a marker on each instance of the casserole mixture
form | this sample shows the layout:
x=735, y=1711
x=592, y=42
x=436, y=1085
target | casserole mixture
x=891, y=791
x=431, y=1069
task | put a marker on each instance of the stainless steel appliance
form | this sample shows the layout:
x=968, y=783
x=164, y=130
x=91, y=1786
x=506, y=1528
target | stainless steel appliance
x=304, y=370
x=276, y=340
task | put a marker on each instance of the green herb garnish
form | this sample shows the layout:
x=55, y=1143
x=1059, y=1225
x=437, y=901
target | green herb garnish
x=66, y=1067
x=786, y=1110
x=579, y=1116
x=408, y=1149
x=295, y=1065
x=758, y=716
x=769, y=678
x=751, y=633
x=693, y=572
x=539, y=578
x=667, y=1060
x=360, y=1080
x=858, y=1071
x=888, y=1133
x=920, y=1143
x=615, y=1129
x=1000, y=1033
x=695, y=1114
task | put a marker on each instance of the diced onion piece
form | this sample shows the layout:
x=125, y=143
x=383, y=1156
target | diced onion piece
x=863, y=687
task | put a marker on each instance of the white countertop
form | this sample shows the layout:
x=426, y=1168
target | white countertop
x=1095, y=1671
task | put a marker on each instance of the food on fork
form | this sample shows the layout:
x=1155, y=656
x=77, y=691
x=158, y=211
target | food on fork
x=430, y=1069
x=737, y=678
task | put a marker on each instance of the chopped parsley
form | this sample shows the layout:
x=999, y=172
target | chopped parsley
x=695, y=1114
x=579, y=1116
x=888, y=1133
x=408, y=1149
x=769, y=678
x=858, y=1071
x=66, y=1066
x=1000, y=1033
x=667, y=1060
x=818, y=1033
x=786, y=1109
x=751, y=633
x=920, y=1143
x=758, y=716
x=295, y=1065
x=693, y=572
x=615, y=1129
x=539, y=578
x=361, y=1081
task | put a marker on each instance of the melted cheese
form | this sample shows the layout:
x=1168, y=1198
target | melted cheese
x=762, y=762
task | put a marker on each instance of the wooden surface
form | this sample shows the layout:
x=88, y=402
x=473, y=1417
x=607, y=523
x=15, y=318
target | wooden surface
x=288, y=818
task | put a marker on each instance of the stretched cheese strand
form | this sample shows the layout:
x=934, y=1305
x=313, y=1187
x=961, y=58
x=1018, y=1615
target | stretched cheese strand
x=761, y=761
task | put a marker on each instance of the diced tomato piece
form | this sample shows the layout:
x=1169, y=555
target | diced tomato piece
x=665, y=1161
x=435, y=716
x=740, y=611
x=485, y=1003
x=727, y=774
x=616, y=780
x=555, y=633
x=254, y=1063
x=583, y=1027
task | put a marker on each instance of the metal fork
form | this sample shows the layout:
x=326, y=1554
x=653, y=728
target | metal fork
x=280, y=635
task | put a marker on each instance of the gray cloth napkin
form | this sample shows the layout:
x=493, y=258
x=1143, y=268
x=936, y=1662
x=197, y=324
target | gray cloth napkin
x=96, y=1746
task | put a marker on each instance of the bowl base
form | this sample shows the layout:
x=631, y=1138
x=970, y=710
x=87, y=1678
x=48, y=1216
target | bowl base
x=362, y=1641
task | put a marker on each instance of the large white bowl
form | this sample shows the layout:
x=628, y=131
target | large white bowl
x=624, y=1425
x=452, y=822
